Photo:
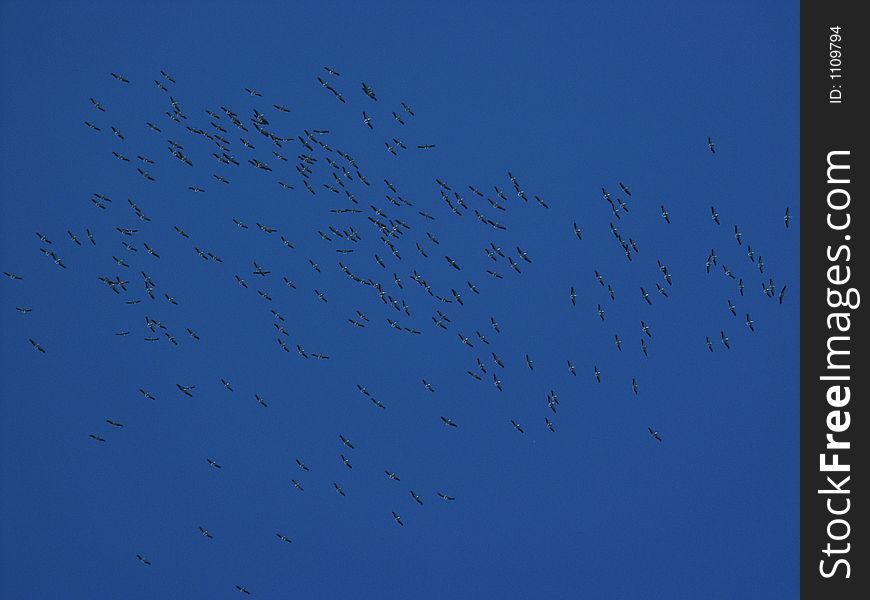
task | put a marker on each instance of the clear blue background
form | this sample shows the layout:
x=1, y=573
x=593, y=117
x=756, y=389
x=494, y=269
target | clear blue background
x=569, y=97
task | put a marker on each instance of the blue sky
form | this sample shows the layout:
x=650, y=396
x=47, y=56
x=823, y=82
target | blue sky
x=568, y=97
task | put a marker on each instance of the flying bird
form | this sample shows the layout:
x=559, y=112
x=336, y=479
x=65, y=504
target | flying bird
x=369, y=91
x=185, y=389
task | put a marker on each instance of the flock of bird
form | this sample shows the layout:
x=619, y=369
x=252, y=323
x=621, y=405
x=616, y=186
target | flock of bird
x=379, y=248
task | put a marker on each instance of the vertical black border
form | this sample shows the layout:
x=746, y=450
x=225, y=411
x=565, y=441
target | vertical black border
x=826, y=127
